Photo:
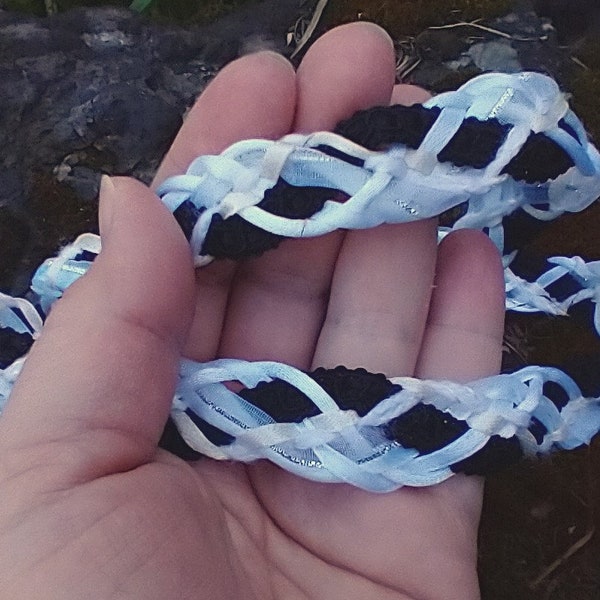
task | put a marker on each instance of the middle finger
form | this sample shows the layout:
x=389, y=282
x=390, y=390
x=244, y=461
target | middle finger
x=278, y=302
x=381, y=290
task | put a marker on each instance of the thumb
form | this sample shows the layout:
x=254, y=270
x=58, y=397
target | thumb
x=97, y=386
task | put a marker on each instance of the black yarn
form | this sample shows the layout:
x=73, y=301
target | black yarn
x=13, y=345
x=425, y=428
x=566, y=127
x=355, y=389
x=351, y=389
x=378, y=127
x=236, y=238
x=172, y=441
x=475, y=144
x=212, y=433
x=335, y=153
x=539, y=160
x=186, y=214
x=280, y=400
x=496, y=455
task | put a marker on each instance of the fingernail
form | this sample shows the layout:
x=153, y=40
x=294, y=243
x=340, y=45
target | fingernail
x=106, y=207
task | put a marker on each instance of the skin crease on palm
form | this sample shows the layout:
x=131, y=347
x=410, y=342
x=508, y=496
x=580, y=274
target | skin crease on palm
x=91, y=509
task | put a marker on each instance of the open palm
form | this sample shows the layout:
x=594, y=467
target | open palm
x=92, y=509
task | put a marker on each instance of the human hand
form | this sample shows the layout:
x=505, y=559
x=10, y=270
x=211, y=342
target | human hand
x=92, y=509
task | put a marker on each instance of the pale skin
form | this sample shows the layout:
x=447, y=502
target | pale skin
x=92, y=509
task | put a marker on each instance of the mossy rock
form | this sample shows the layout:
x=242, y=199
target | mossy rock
x=199, y=12
x=182, y=11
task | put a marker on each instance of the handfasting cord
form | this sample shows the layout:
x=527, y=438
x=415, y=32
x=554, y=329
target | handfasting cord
x=477, y=149
x=499, y=143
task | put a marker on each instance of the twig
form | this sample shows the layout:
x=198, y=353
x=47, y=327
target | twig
x=51, y=7
x=404, y=69
x=321, y=4
x=580, y=63
x=580, y=543
x=407, y=60
x=477, y=25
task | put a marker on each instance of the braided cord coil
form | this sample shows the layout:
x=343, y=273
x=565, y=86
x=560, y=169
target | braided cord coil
x=473, y=426
x=528, y=109
x=475, y=152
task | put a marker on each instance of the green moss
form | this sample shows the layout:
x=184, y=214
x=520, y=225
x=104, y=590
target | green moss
x=34, y=7
x=198, y=12
x=63, y=5
x=412, y=16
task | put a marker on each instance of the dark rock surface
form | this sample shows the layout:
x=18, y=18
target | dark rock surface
x=92, y=91
x=573, y=19
x=518, y=41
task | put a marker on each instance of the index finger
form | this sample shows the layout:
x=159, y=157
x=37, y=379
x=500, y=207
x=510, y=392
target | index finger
x=252, y=97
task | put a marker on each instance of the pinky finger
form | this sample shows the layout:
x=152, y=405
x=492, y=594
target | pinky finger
x=463, y=342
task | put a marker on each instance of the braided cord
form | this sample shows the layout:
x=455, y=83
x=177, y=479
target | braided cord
x=55, y=275
x=20, y=325
x=509, y=120
x=365, y=450
x=409, y=432
x=477, y=151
